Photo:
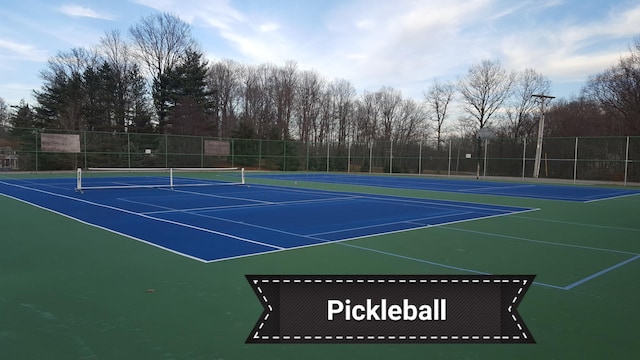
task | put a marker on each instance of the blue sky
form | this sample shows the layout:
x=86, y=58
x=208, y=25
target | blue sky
x=372, y=43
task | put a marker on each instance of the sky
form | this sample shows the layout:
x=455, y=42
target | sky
x=403, y=44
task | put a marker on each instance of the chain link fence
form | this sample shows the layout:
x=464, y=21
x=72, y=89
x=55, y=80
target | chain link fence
x=614, y=159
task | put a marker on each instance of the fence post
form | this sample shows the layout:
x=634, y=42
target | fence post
x=36, y=132
x=348, y=157
x=449, y=170
x=327, y=155
x=284, y=155
x=233, y=150
x=308, y=155
x=128, y=149
x=626, y=162
x=259, y=153
x=370, y=156
x=458, y=160
x=390, y=156
x=85, y=149
x=524, y=156
x=201, y=151
x=484, y=171
x=575, y=161
x=420, y=158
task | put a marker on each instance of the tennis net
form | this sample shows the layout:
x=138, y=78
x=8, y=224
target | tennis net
x=131, y=178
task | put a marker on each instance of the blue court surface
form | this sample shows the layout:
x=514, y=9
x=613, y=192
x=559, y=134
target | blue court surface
x=525, y=190
x=212, y=223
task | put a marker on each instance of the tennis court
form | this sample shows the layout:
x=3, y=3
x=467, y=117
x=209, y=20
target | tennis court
x=529, y=190
x=211, y=223
x=158, y=272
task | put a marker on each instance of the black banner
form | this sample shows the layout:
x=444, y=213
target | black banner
x=390, y=309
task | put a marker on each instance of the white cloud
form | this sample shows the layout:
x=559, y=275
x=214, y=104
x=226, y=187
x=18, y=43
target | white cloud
x=13, y=93
x=17, y=86
x=399, y=43
x=572, y=51
x=406, y=44
x=218, y=14
x=81, y=11
x=256, y=37
x=11, y=49
x=269, y=27
x=619, y=23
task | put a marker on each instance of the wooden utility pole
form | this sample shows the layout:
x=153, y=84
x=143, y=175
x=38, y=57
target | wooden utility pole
x=536, y=167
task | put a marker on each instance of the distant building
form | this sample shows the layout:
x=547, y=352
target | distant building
x=8, y=159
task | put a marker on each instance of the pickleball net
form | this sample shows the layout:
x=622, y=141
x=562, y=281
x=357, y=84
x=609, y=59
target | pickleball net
x=136, y=178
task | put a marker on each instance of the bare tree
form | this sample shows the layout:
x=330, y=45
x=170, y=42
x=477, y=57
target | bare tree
x=69, y=63
x=484, y=89
x=520, y=113
x=284, y=81
x=4, y=113
x=342, y=95
x=323, y=128
x=224, y=78
x=62, y=98
x=409, y=125
x=576, y=117
x=161, y=41
x=388, y=100
x=617, y=91
x=368, y=118
x=118, y=55
x=309, y=91
x=437, y=100
x=407, y=129
x=115, y=50
x=258, y=100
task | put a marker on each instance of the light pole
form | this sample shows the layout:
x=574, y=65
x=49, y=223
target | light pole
x=536, y=167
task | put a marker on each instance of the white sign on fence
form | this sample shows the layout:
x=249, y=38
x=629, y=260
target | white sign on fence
x=217, y=148
x=69, y=143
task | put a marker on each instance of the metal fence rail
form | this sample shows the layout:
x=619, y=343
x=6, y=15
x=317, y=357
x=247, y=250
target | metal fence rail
x=614, y=159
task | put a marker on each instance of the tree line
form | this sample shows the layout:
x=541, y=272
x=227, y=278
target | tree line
x=157, y=79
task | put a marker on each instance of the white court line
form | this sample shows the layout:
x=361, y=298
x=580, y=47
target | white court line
x=611, y=197
x=416, y=202
x=446, y=203
x=313, y=236
x=541, y=241
x=103, y=228
x=277, y=249
x=495, y=187
x=217, y=208
x=166, y=209
x=286, y=189
x=144, y=216
x=601, y=272
x=221, y=196
x=408, y=221
x=536, y=197
x=342, y=242
x=398, y=198
x=205, y=208
x=578, y=224
x=54, y=185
